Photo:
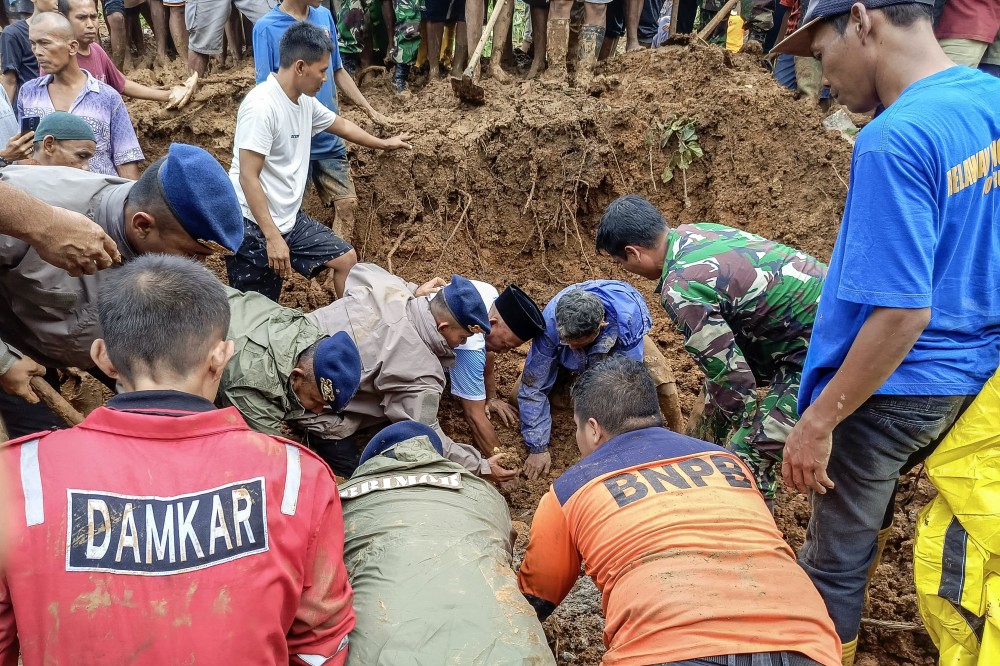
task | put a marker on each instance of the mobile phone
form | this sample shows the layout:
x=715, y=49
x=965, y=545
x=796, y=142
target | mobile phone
x=29, y=123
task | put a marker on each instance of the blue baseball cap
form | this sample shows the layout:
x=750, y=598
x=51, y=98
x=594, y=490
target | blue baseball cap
x=398, y=433
x=467, y=305
x=337, y=366
x=200, y=195
x=800, y=42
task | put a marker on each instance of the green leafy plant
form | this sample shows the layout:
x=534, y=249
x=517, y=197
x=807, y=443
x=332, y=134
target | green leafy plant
x=687, y=149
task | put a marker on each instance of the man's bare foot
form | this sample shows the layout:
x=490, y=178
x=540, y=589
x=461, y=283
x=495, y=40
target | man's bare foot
x=537, y=67
x=497, y=73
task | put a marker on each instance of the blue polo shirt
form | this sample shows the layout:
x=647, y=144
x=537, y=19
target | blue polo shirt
x=628, y=319
x=921, y=229
x=267, y=34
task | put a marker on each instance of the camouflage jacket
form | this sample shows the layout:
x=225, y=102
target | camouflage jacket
x=745, y=306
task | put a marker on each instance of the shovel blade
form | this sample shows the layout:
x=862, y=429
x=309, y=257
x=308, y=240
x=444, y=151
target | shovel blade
x=467, y=90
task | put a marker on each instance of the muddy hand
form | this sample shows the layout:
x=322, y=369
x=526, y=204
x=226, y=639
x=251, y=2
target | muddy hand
x=74, y=243
x=430, y=287
x=382, y=119
x=498, y=473
x=181, y=95
x=17, y=380
x=537, y=465
x=398, y=142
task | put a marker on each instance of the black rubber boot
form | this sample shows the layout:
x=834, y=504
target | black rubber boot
x=399, y=75
x=351, y=62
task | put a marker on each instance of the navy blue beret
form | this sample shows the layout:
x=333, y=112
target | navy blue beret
x=397, y=433
x=200, y=195
x=337, y=366
x=467, y=305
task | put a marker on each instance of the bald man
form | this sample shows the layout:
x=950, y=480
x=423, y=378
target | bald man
x=66, y=87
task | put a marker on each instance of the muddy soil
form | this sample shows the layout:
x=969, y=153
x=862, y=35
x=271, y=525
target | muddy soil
x=513, y=192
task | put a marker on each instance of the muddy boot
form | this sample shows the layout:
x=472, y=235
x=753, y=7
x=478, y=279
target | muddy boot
x=399, y=75
x=558, y=44
x=591, y=37
x=351, y=62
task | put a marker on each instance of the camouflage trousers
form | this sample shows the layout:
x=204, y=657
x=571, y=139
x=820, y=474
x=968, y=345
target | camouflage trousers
x=764, y=427
x=353, y=24
x=406, y=36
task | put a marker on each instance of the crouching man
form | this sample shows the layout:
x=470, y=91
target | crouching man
x=691, y=567
x=429, y=552
x=163, y=522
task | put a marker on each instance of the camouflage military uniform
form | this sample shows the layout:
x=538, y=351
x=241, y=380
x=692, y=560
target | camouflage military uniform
x=406, y=37
x=746, y=307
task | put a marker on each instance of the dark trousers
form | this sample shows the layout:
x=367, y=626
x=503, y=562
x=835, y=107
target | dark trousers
x=885, y=437
x=756, y=659
x=342, y=455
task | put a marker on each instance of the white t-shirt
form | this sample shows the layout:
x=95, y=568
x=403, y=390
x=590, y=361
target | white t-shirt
x=271, y=124
x=489, y=294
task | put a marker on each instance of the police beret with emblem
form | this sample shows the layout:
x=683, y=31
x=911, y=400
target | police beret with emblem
x=520, y=313
x=337, y=366
x=467, y=305
x=200, y=195
x=397, y=433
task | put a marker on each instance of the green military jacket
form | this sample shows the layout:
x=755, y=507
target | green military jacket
x=428, y=548
x=268, y=340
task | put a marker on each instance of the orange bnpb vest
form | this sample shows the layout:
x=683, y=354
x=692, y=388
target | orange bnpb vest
x=684, y=551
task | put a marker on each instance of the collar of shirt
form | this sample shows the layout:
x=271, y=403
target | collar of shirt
x=109, y=213
x=92, y=86
x=668, y=258
x=161, y=403
x=419, y=312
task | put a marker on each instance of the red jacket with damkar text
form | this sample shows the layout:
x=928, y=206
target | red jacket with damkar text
x=684, y=551
x=162, y=531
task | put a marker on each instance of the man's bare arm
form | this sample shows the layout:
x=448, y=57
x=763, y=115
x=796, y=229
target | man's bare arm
x=61, y=237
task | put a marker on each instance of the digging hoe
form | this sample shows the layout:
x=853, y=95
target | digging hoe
x=465, y=87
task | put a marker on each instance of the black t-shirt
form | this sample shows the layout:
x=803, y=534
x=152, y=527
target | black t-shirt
x=15, y=52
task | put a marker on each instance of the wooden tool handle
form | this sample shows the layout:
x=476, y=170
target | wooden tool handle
x=56, y=402
x=487, y=31
x=719, y=17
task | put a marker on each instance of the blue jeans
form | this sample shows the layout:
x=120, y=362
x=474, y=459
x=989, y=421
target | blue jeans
x=886, y=436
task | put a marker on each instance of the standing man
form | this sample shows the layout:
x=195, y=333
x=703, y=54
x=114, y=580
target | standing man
x=969, y=33
x=182, y=205
x=430, y=546
x=691, y=567
x=19, y=63
x=270, y=167
x=329, y=168
x=908, y=328
x=745, y=306
x=206, y=23
x=123, y=511
x=514, y=319
x=475, y=11
x=584, y=323
x=66, y=87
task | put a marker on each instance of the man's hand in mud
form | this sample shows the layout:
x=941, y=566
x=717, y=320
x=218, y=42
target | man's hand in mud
x=181, y=95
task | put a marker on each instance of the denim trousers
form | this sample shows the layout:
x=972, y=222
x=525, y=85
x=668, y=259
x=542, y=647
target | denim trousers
x=756, y=659
x=886, y=436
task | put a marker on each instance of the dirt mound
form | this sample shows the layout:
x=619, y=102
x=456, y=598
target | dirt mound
x=513, y=192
